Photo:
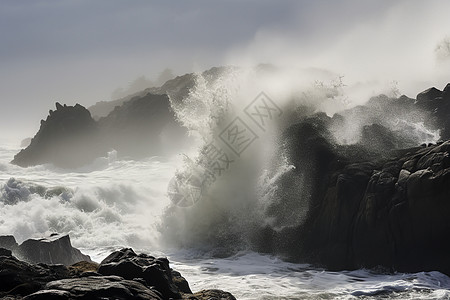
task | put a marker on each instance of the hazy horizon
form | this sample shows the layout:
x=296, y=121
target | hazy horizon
x=81, y=51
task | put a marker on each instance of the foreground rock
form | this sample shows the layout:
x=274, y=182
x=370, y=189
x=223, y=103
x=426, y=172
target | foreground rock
x=154, y=271
x=96, y=287
x=122, y=275
x=21, y=278
x=55, y=249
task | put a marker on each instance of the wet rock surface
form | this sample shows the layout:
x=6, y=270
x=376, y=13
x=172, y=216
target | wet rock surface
x=366, y=209
x=122, y=275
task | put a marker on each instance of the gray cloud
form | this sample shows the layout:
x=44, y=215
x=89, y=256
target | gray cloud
x=80, y=51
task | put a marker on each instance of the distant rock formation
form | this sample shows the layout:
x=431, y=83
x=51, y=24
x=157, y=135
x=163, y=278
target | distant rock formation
x=132, y=276
x=177, y=89
x=55, y=249
x=141, y=127
x=62, y=139
x=70, y=137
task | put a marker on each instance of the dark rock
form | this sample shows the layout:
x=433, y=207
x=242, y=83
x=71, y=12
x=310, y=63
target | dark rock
x=143, y=277
x=8, y=242
x=429, y=94
x=387, y=210
x=70, y=138
x=5, y=252
x=95, y=287
x=52, y=250
x=210, y=295
x=446, y=92
x=62, y=139
x=20, y=278
x=181, y=282
x=142, y=127
x=154, y=271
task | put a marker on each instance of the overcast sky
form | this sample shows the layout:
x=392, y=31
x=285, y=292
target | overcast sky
x=81, y=51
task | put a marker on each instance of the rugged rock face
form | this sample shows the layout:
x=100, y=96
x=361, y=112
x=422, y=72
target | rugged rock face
x=55, y=249
x=70, y=137
x=154, y=271
x=367, y=209
x=379, y=202
x=141, y=277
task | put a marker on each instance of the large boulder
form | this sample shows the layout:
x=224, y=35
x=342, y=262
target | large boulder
x=153, y=271
x=21, y=278
x=55, y=249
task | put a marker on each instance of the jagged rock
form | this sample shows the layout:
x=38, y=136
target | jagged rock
x=70, y=138
x=154, y=271
x=429, y=94
x=62, y=139
x=95, y=287
x=142, y=277
x=55, y=249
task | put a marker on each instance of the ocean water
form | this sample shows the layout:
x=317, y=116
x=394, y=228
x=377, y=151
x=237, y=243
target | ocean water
x=116, y=203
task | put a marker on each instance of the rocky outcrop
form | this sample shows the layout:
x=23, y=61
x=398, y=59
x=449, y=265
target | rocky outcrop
x=130, y=276
x=62, y=139
x=70, y=137
x=383, y=201
x=365, y=208
x=154, y=271
x=55, y=249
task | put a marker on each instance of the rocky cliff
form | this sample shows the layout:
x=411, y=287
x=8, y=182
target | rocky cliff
x=369, y=204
